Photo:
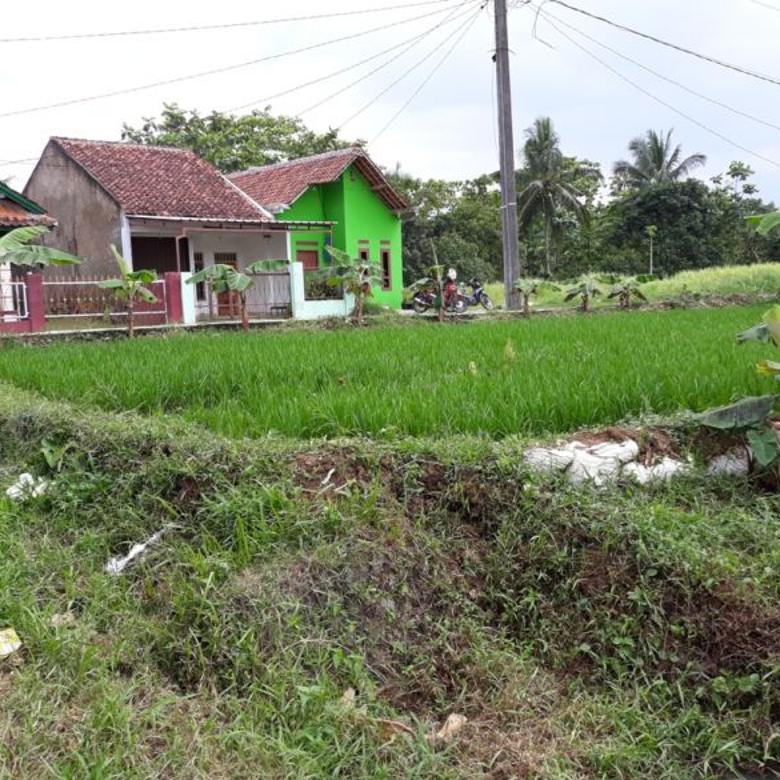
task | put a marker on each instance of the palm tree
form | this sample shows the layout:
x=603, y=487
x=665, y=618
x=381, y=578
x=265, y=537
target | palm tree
x=655, y=160
x=551, y=183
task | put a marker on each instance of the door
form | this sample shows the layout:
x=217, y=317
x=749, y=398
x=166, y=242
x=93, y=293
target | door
x=310, y=259
x=227, y=302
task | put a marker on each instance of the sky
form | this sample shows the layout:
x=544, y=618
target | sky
x=436, y=71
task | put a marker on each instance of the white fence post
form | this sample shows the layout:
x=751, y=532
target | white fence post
x=188, y=302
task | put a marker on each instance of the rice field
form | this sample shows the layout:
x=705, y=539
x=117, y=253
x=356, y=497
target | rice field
x=544, y=375
x=758, y=279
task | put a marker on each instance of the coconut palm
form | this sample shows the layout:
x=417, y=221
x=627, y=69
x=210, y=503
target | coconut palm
x=551, y=184
x=655, y=159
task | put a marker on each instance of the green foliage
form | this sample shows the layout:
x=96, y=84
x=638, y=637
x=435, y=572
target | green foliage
x=412, y=378
x=625, y=290
x=552, y=185
x=586, y=291
x=130, y=287
x=16, y=248
x=356, y=276
x=655, y=160
x=233, y=143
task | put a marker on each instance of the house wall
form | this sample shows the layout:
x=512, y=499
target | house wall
x=88, y=219
x=359, y=216
x=369, y=219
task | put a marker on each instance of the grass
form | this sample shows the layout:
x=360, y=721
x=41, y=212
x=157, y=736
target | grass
x=626, y=634
x=758, y=279
x=546, y=375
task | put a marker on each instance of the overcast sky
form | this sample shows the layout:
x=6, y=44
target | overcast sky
x=448, y=130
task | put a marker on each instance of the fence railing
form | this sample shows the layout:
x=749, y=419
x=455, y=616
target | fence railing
x=84, y=298
x=13, y=302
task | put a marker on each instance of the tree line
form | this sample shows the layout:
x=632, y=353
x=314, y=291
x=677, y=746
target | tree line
x=647, y=215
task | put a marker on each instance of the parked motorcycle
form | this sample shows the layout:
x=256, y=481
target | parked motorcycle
x=426, y=299
x=478, y=296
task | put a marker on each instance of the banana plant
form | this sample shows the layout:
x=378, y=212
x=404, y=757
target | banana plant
x=764, y=223
x=526, y=288
x=624, y=291
x=586, y=291
x=355, y=275
x=131, y=287
x=753, y=415
x=17, y=248
x=224, y=279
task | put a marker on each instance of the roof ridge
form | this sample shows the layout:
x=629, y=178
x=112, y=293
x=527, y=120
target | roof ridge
x=354, y=150
x=126, y=144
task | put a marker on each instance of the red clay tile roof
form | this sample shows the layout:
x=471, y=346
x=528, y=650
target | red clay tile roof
x=161, y=181
x=282, y=184
x=12, y=215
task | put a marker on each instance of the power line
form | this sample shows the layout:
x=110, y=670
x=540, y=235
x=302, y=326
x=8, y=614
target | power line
x=223, y=69
x=409, y=42
x=430, y=75
x=649, y=94
x=407, y=72
x=222, y=26
x=766, y=5
x=714, y=60
x=668, y=79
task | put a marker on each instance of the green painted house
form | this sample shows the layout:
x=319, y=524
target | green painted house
x=345, y=188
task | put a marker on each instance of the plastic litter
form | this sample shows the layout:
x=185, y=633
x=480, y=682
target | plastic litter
x=664, y=470
x=27, y=486
x=9, y=642
x=116, y=566
x=454, y=723
x=730, y=464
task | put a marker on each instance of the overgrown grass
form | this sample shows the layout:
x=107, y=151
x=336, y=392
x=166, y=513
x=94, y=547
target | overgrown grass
x=628, y=634
x=497, y=378
x=758, y=279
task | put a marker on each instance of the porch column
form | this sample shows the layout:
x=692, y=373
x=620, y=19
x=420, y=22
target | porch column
x=173, y=297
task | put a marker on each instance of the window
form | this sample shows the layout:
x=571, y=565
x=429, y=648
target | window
x=363, y=250
x=200, y=288
x=387, y=268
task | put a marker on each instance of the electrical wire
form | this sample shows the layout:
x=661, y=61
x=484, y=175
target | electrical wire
x=649, y=94
x=407, y=72
x=430, y=75
x=668, y=79
x=222, y=26
x=714, y=60
x=409, y=43
x=766, y=5
x=216, y=71
x=450, y=18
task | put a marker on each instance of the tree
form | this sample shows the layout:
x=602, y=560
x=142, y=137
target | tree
x=526, y=288
x=131, y=287
x=624, y=291
x=233, y=143
x=16, y=248
x=356, y=276
x=225, y=279
x=655, y=160
x=586, y=291
x=552, y=185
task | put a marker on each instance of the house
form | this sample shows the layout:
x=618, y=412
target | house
x=16, y=211
x=165, y=209
x=344, y=187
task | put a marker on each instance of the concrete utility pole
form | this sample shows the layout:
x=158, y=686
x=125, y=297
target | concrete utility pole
x=507, y=157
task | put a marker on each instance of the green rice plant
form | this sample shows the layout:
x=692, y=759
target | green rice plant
x=411, y=379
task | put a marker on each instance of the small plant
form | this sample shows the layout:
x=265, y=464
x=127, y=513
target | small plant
x=225, y=279
x=358, y=277
x=586, y=291
x=131, y=287
x=753, y=415
x=526, y=288
x=625, y=291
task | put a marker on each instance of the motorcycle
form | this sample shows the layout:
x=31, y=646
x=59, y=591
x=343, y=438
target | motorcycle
x=478, y=296
x=426, y=299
